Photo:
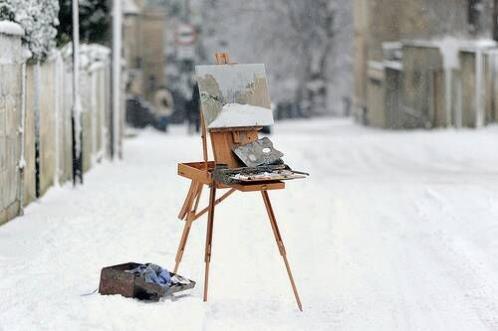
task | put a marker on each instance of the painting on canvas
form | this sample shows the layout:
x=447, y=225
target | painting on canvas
x=234, y=95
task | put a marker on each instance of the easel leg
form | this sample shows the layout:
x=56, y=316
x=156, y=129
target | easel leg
x=280, y=244
x=209, y=238
x=187, y=204
x=190, y=215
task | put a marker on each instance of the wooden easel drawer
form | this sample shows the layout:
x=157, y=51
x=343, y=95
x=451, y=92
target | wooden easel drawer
x=259, y=186
x=197, y=171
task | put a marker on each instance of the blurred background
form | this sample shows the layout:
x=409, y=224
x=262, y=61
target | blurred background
x=390, y=64
x=425, y=64
x=307, y=49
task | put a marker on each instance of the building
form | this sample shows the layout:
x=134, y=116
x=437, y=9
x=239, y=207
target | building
x=425, y=63
x=144, y=47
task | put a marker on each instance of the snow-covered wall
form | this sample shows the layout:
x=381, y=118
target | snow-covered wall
x=445, y=24
x=434, y=83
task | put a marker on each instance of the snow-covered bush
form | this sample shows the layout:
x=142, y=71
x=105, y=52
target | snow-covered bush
x=6, y=10
x=38, y=19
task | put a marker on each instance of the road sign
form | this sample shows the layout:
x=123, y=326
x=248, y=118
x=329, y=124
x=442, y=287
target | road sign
x=185, y=34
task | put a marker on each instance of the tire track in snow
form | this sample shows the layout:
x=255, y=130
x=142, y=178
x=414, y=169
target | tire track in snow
x=465, y=263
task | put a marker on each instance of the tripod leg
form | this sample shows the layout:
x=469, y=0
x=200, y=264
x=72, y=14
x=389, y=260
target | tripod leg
x=280, y=244
x=186, y=229
x=209, y=238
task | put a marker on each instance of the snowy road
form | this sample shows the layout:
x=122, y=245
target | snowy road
x=393, y=231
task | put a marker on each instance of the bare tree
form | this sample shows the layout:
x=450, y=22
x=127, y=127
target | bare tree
x=297, y=38
x=314, y=32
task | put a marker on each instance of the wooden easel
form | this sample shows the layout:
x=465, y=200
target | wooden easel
x=200, y=174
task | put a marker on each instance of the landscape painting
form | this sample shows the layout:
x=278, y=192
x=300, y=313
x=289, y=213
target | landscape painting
x=234, y=95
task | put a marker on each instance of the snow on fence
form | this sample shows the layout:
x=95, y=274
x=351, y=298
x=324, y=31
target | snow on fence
x=35, y=119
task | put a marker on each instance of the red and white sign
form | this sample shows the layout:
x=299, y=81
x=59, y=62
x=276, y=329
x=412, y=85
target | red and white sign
x=185, y=34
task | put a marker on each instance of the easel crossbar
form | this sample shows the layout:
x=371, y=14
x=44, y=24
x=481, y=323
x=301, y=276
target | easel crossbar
x=216, y=202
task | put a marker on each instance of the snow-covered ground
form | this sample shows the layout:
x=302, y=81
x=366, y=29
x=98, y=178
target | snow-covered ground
x=393, y=231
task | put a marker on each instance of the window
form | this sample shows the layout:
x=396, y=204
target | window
x=475, y=9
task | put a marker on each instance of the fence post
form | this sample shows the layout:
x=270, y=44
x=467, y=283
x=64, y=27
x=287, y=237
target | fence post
x=22, y=160
x=57, y=106
x=36, y=106
x=116, y=78
x=76, y=113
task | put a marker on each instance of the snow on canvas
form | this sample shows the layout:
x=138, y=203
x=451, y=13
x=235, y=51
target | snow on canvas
x=234, y=95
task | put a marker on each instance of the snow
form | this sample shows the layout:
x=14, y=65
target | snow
x=11, y=28
x=394, y=65
x=38, y=19
x=91, y=55
x=26, y=53
x=450, y=48
x=236, y=114
x=376, y=65
x=392, y=231
x=130, y=8
x=22, y=163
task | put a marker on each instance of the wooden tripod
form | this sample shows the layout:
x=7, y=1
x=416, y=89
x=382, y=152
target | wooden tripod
x=200, y=174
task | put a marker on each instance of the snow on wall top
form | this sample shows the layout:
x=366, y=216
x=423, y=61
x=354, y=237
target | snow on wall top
x=130, y=7
x=455, y=42
x=450, y=47
x=11, y=28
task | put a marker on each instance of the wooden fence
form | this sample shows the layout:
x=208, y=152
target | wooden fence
x=35, y=120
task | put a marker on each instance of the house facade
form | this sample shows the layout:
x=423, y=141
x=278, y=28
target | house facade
x=424, y=64
x=144, y=47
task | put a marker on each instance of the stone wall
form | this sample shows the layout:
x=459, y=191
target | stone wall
x=479, y=90
x=421, y=90
x=432, y=87
x=375, y=115
x=378, y=22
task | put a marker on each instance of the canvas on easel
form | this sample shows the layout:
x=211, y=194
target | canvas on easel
x=235, y=105
x=234, y=95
